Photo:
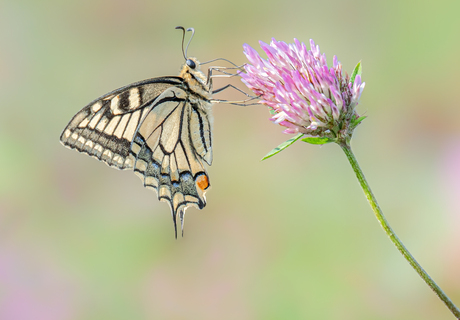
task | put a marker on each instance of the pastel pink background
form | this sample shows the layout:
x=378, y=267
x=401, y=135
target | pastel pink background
x=288, y=238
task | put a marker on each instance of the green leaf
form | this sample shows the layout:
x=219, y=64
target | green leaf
x=317, y=140
x=357, y=71
x=282, y=146
x=271, y=110
x=355, y=122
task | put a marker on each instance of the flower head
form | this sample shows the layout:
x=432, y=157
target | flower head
x=303, y=93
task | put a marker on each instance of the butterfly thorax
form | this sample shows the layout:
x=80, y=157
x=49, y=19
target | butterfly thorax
x=196, y=80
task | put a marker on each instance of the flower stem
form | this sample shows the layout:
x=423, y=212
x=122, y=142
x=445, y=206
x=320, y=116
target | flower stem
x=385, y=225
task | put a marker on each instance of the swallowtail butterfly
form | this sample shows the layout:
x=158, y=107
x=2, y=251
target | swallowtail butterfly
x=161, y=128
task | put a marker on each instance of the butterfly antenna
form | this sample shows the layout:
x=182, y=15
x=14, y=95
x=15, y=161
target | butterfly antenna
x=183, y=53
x=193, y=33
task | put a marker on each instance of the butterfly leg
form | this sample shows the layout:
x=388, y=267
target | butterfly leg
x=232, y=86
x=228, y=75
x=238, y=103
x=217, y=59
x=221, y=69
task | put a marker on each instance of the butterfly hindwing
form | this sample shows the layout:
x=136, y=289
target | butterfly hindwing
x=169, y=148
x=105, y=128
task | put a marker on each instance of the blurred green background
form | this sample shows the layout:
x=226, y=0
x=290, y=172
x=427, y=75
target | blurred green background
x=288, y=238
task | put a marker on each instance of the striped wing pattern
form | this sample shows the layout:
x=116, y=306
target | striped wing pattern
x=105, y=128
x=153, y=128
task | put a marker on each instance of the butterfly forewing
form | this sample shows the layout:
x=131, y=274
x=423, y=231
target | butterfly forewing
x=159, y=127
x=105, y=128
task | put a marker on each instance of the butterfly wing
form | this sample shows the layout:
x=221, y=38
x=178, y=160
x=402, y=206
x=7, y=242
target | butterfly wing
x=169, y=148
x=105, y=128
x=151, y=127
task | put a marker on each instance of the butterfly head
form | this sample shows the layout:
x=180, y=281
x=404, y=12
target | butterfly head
x=194, y=77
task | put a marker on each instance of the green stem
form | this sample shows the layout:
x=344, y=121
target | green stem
x=384, y=223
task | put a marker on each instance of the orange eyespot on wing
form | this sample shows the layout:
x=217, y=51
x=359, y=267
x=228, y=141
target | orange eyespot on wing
x=202, y=182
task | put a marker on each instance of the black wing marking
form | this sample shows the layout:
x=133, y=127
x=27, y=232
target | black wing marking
x=105, y=128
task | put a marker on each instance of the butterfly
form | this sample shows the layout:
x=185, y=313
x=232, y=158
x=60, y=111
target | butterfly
x=161, y=128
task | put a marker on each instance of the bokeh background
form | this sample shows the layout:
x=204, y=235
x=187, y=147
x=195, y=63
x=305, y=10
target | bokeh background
x=288, y=238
